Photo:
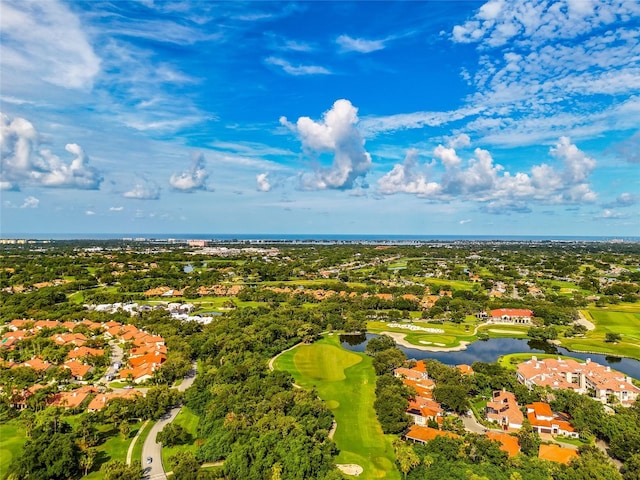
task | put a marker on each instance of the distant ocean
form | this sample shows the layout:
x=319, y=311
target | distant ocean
x=308, y=237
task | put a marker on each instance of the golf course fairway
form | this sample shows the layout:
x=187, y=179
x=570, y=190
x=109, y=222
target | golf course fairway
x=346, y=382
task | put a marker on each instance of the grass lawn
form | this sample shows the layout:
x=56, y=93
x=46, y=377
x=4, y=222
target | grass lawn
x=115, y=448
x=189, y=421
x=438, y=283
x=12, y=439
x=451, y=337
x=622, y=319
x=498, y=330
x=136, y=455
x=346, y=382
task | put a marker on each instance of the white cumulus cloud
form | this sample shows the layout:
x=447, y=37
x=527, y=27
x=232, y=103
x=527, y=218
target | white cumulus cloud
x=405, y=178
x=481, y=180
x=26, y=162
x=30, y=202
x=337, y=134
x=143, y=190
x=193, y=179
x=262, y=182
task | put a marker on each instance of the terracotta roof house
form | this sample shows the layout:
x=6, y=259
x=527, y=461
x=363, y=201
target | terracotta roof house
x=410, y=374
x=581, y=377
x=78, y=370
x=10, y=338
x=37, y=364
x=40, y=324
x=508, y=443
x=71, y=399
x=421, y=434
x=543, y=420
x=504, y=410
x=423, y=409
x=82, y=352
x=101, y=400
x=465, y=369
x=72, y=338
x=556, y=453
x=511, y=315
x=422, y=391
x=139, y=374
x=154, y=358
x=20, y=324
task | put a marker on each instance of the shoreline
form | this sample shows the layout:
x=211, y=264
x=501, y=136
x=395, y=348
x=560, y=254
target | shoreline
x=399, y=338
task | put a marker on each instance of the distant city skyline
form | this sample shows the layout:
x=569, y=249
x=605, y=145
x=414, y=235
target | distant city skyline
x=497, y=118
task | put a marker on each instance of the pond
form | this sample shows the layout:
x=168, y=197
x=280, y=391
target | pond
x=490, y=350
x=188, y=268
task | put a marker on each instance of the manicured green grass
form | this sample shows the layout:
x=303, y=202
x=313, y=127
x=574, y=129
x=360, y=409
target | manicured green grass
x=136, y=455
x=346, y=382
x=115, y=448
x=189, y=421
x=497, y=330
x=12, y=439
x=625, y=321
x=452, y=336
x=455, y=284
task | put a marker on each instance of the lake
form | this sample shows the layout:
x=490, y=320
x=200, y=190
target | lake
x=489, y=351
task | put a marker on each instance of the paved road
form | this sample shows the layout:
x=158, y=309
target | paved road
x=151, y=448
x=116, y=357
x=471, y=424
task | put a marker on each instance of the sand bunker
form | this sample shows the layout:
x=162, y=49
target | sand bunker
x=400, y=340
x=350, y=469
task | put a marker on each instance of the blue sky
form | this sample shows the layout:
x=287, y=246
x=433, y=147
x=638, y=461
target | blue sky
x=462, y=118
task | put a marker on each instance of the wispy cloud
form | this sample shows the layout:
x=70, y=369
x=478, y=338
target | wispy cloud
x=46, y=40
x=297, y=70
x=360, y=45
x=550, y=63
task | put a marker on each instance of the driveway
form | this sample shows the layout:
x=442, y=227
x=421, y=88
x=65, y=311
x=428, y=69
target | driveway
x=153, y=449
x=471, y=424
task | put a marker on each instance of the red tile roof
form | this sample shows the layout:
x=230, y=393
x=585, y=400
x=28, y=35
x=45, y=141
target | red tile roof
x=556, y=453
x=508, y=443
x=425, y=434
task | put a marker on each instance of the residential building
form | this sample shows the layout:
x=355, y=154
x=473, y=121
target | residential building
x=511, y=315
x=420, y=434
x=590, y=378
x=556, y=453
x=504, y=410
x=544, y=420
x=508, y=443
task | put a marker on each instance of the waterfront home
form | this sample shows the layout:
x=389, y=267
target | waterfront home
x=591, y=378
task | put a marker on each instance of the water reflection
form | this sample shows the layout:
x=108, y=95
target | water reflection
x=490, y=350
x=354, y=339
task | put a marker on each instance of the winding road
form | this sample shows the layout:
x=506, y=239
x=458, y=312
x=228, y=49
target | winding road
x=151, y=448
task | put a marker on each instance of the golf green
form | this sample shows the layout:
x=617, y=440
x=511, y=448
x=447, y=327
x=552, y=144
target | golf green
x=346, y=382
